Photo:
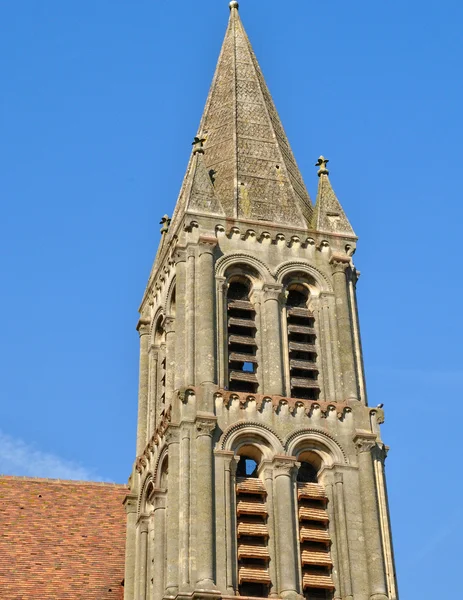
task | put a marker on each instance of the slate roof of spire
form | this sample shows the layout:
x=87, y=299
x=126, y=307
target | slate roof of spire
x=246, y=149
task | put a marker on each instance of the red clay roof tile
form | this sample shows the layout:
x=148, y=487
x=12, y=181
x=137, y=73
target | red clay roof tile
x=61, y=539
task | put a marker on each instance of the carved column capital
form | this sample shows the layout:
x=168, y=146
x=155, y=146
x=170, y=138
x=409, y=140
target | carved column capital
x=338, y=478
x=169, y=325
x=172, y=435
x=340, y=263
x=180, y=254
x=144, y=326
x=273, y=291
x=364, y=442
x=284, y=465
x=130, y=504
x=206, y=244
x=205, y=426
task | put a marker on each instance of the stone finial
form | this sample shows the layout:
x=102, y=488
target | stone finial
x=322, y=162
x=233, y=5
x=165, y=222
x=198, y=144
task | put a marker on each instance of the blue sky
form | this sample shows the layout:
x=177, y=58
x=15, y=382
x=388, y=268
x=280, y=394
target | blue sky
x=98, y=106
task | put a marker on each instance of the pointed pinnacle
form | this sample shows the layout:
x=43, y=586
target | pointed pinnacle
x=233, y=5
x=322, y=162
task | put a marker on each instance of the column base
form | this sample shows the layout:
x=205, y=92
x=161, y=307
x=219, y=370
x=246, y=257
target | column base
x=201, y=593
x=379, y=597
x=291, y=595
x=207, y=585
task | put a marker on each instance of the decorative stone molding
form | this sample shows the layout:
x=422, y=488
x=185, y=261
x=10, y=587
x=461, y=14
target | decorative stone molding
x=172, y=435
x=169, y=324
x=180, y=254
x=233, y=258
x=338, y=478
x=207, y=244
x=379, y=414
x=300, y=265
x=250, y=425
x=364, y=441
x=277, y=402
x=143, y=326
x=130, y=504
x=340, y=262
x=205, y=425
x=273, y=291
x=317, y=435
x=284, y=465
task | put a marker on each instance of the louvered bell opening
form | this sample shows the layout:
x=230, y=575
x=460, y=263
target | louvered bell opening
x=316, y=562
x=242, y=347
x=302, y=348
x=252, y=531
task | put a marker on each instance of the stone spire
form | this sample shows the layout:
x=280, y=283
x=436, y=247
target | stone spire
x=255, y=174
x=328, y=214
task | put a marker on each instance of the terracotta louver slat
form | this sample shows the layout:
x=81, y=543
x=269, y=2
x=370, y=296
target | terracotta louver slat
x=311, y=580
x=254, y=575
x=313, y=514
x=252, y=529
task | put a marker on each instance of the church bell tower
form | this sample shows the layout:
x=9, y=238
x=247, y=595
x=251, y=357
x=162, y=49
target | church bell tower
x=260, y=466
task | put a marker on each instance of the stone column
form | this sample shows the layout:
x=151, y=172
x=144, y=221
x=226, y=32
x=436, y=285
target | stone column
x=272, y=340
x=352, y=284
x=190, y=301
x=285, y=527
x=365, y=443
x=334, y=526
x=172, y=521
x=150, y=572
x=223, y=526
x=379, y=458
x=143, y=328
x=204, y=503
x=184, y=512
x=180, y=319
x=130, y=504
x=344, y=320
x=143, y=562
x=222, y=333
x=153, y=390
x=169, y=326
x=272, y=542
x=159, y=544
x=206, y=350
x=343, y=541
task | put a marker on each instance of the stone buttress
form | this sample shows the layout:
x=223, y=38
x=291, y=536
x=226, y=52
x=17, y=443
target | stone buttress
x=260, y=466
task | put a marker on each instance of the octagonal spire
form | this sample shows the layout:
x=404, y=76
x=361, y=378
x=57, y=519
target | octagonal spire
x=255, y=174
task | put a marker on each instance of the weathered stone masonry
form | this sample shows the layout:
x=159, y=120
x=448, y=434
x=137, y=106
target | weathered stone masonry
x=260, y=466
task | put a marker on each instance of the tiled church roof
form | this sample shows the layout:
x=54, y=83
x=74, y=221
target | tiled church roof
x=61, y=539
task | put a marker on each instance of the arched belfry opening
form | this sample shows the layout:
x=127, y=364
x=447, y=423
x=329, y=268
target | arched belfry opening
x=315, y=541
x=251, y=376
x=252, y=527
x=242, y=345
x=300, y=324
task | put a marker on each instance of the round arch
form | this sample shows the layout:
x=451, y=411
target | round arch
x=316, y=441
x=237, y=258
x=248, y=433
x=299, y=266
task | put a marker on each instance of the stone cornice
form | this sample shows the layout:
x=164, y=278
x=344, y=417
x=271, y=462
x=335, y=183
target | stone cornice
x=277, y=402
